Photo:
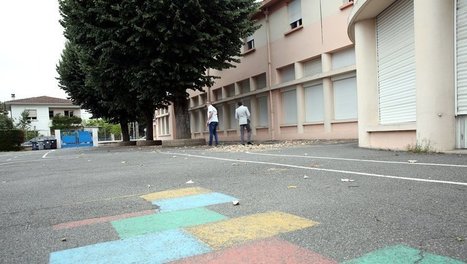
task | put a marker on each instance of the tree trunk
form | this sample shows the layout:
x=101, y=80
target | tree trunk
x=182, y=118
x=125, y=130
x=149, y=116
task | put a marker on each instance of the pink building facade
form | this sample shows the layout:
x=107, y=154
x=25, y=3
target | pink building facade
x=297, y=76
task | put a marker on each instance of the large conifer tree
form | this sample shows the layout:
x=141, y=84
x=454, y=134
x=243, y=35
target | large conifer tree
x=157, y=49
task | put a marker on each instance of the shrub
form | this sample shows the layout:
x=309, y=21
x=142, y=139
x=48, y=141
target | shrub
x=11, y=139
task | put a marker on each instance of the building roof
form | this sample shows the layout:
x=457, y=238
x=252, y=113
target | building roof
x=42, y=100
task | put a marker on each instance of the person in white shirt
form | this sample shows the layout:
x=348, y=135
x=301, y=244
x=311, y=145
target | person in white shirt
x=243, y=116
x=212, y=123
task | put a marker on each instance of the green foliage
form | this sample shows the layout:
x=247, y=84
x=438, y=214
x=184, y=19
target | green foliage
x=5, y=122
x=105, y=128
x=3, y=108
x=11, y=139
x=66, y=122
x=24, y=123
x=30, y=135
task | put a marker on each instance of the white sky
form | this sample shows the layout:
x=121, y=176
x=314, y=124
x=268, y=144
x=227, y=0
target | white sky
x=31, y=41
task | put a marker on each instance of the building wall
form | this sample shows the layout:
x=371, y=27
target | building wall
x=434, y=127
x=43, y=122
x=279, y=70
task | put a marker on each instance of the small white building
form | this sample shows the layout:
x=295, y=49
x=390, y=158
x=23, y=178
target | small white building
x=41, y=111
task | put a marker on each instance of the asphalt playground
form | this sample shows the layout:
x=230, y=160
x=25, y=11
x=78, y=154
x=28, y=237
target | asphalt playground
x=306, y=202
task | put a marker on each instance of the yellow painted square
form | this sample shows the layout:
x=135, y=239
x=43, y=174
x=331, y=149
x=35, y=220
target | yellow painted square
x=238, y=230
x=174, y=193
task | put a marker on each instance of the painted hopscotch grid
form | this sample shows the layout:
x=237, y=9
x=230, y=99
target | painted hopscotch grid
x=158, y=238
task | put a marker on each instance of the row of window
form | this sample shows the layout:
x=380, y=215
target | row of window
x=344, y=100
x=284, y=74
x=32, y=114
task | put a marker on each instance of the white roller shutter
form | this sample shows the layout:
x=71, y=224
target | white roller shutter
x=461, y=34
x=345, y=99
x=396, y=63
x=314, y=103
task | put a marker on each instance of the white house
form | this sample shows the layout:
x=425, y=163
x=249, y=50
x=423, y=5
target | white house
x=41, y=111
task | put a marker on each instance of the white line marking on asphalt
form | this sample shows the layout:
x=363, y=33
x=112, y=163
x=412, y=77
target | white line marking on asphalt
x=45, y=155
x=361, y=160
x=319, y=169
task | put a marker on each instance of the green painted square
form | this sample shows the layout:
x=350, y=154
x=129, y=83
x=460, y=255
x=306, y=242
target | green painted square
x=141, y=225
x=401, y=254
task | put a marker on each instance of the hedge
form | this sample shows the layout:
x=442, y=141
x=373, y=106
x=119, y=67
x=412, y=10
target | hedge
x=11, y=139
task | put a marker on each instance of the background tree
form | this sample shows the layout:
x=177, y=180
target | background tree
x=24, y=122
x=5, y=122
x=151, y=52
x=84, y=92
x=105, y=128
x=3, y=108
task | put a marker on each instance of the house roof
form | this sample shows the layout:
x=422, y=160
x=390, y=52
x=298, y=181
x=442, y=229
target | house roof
x=42, y=100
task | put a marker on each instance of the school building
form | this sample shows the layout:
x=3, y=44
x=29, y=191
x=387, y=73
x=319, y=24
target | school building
x=392, y=74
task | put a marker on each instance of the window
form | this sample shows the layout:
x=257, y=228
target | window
x=244, y=86
x=345, y=98
x=289, y=107
x=194, y=125
x=295, y=14
x=395, y=38
x=287, y=73
x=312, y=67
x=233, y=122
x=260, y=81
x=217, y=94
x=194, y=101
x=32, y=114
x=203, y=98
x=250, y=43
x=263, y=111
x=230, y=90
x=343, y=58
x=51, y=114
x=68, y=113
x=162, y=117
x=314, y=103
x=220, y=116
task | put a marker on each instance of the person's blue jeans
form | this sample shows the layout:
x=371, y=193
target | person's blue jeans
x=213, y=132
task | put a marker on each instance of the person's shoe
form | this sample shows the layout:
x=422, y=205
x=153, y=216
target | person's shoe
x=249, y=143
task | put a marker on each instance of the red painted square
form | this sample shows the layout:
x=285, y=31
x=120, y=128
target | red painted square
x=263, y=251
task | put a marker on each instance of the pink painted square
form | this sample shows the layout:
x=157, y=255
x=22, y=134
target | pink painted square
x=268, y=251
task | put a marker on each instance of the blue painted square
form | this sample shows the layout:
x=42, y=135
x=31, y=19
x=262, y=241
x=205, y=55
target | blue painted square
x=153, y=248
x=193, y=201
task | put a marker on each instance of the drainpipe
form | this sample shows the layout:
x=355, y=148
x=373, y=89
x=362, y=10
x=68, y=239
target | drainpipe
x=271, y=103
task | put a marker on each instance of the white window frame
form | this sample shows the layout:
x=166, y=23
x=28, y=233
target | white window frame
x=295, y=14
